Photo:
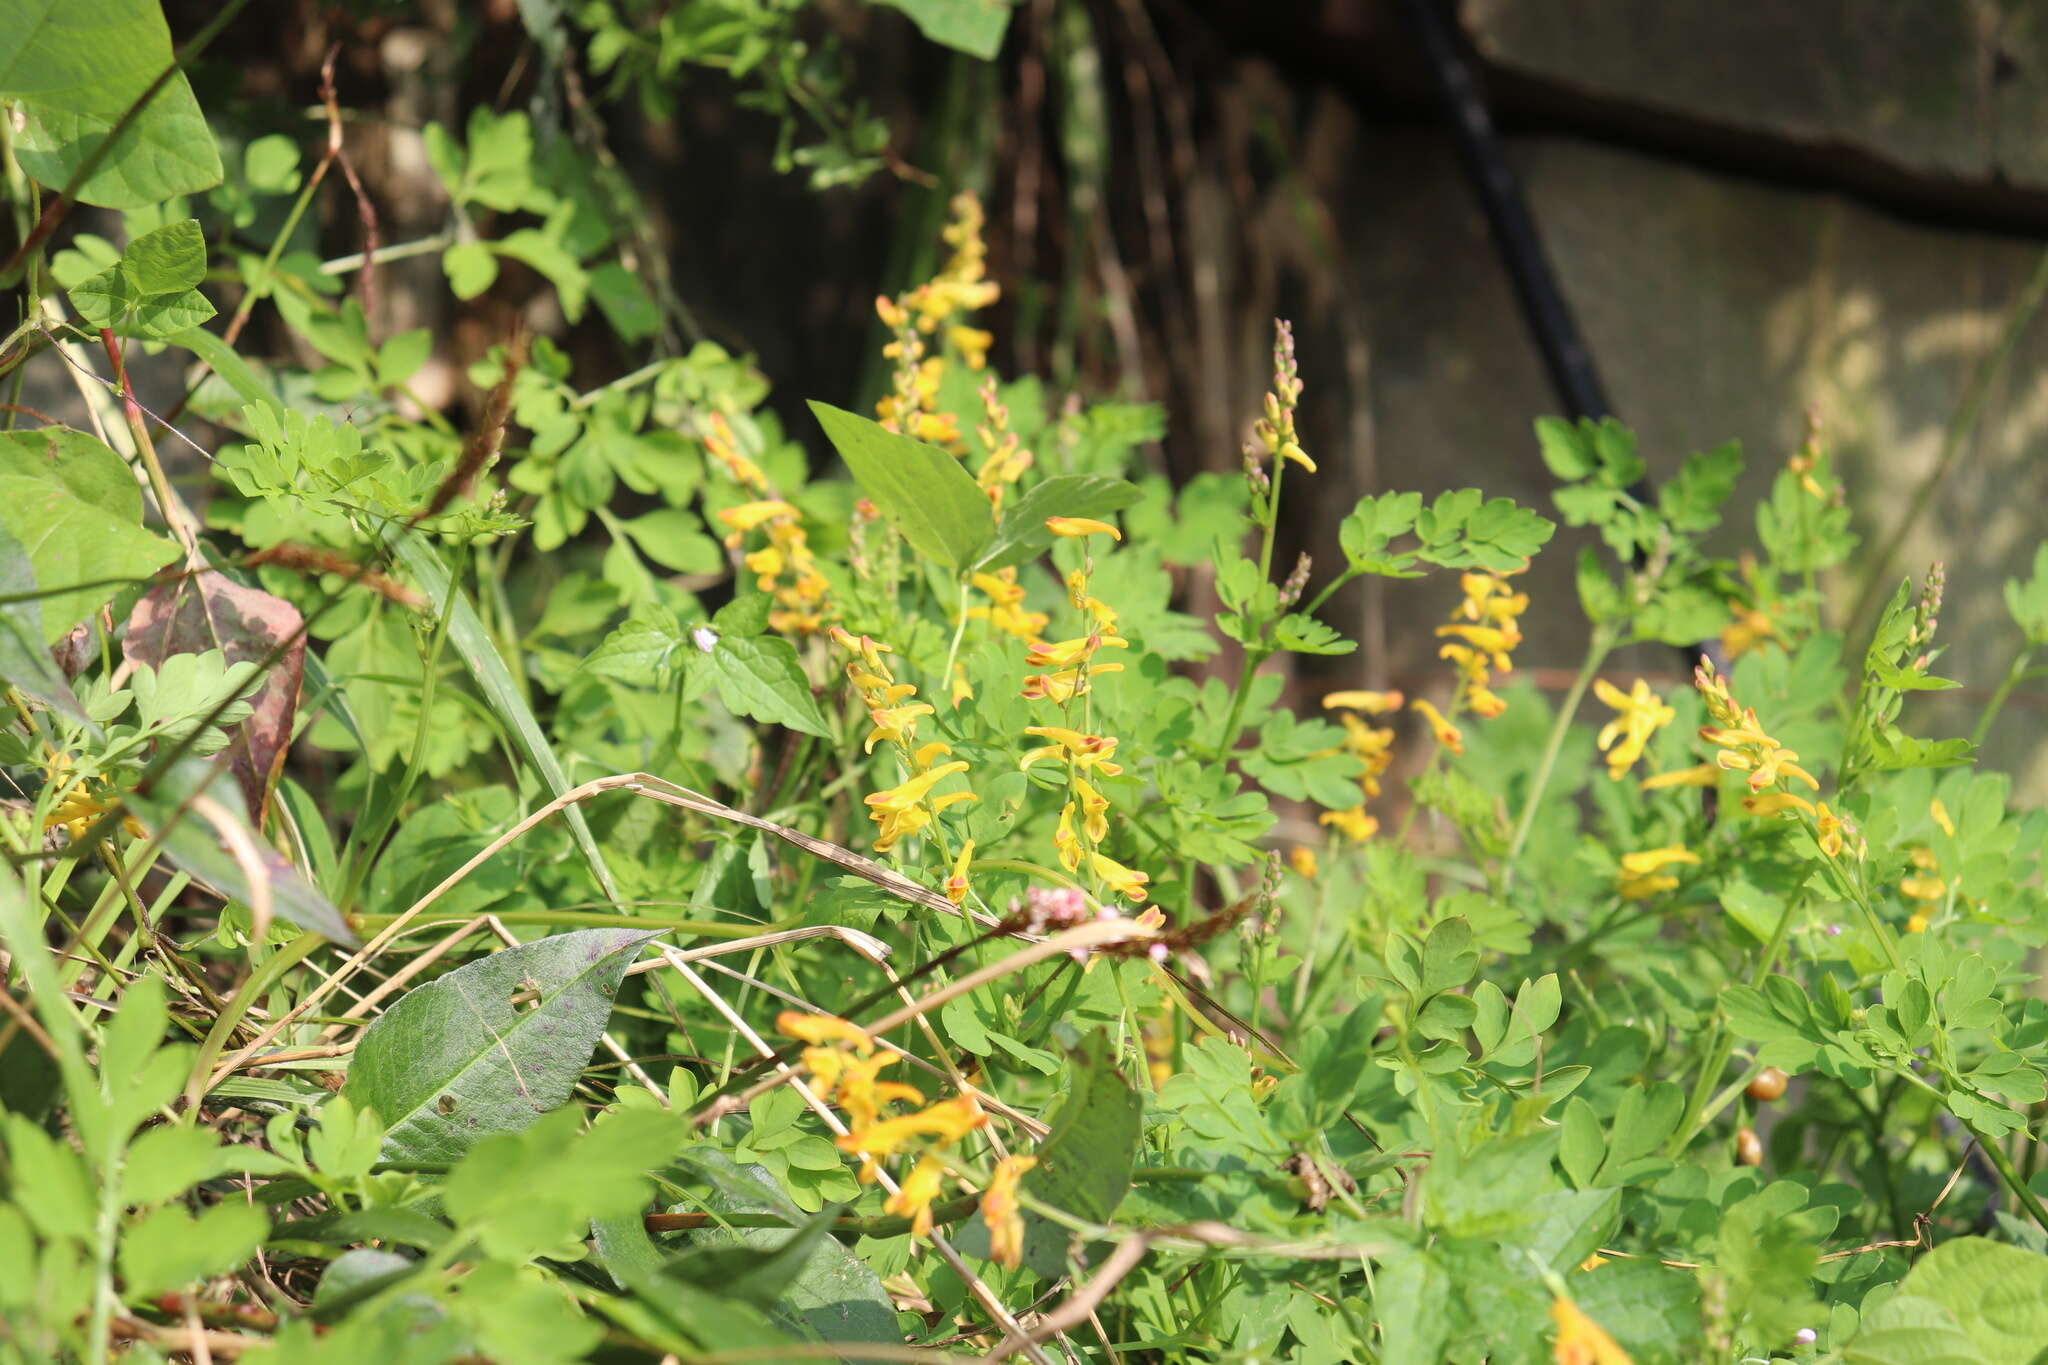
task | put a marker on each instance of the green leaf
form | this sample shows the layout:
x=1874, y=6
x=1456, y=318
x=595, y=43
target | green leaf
x=456, y=1060
x=75, y=67
x=921, y=489
x=759, y=676
x=1893, y=749
x=1651, y=1310
x=1372, y=524
x=1302, y=634
x=470, y=267
x=525, y=1192
x=1084, y=1163
x=24, y=652
x=674, y=538
x=641, y=648
x=1692, y=501
x=1582, y=1147
x=1567, y=448
x=971, y=26
x=1996, y=1295
x=171, y=1249
x=473, y=641
x=75, y=510
x=1023, y=532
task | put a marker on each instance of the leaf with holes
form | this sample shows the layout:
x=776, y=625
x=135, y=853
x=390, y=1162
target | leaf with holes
x=491, y=1046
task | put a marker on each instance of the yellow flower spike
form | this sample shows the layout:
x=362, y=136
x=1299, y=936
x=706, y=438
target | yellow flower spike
x=1641, y=714
x=1353, y=824
x=946, y=1121
x=861, y=1095
x=1081, y=526
x=1776, y=803
x=1126, y=882
x=1000, y=1211
x=1940, y=814
x=1700, y=775
x=1065, y=841
x=1485, y=703
x=913, y=1198
x=1094, y=811
x=1923, y=858
x=956, y=884
x=1446, y=733
x=824, y=1028
x=1371, y=703
x=1580, y=1340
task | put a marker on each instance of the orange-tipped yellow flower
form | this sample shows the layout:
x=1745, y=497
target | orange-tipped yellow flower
x=947, y=1121
x=896, y=724
x=1939, y=813
x=1081, y=526
x=1829, y=829
x=1083, y=753
x=1067, y=684
x=1580, y=1340
x=913, y=1198
x=1000, y=1211
x=1094, y=811
x=1440, y=726
x=956, y=884
x=908, y=807
x=1302, y=859
x=1126, y=882
x=1776, y=803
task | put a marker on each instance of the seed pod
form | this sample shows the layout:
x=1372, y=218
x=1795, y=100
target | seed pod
x=1749, y=1150
x=1768, y=1085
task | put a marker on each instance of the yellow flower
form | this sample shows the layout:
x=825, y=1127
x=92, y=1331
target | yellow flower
x=1006, y=606
x=1923, y=888
x=1069, y=653
x=999, y=1210
x=1094, y=811
x=1353, y=824
x=1126, y=882
x=1291, y=451
x=823, y=1028
x=1580, y=1340
x=1776, y=803
x=1744, y=746
x=1919, y=922
x=1749, y=629
x=903, y=810
x=1701, y=775
x=1081, y=526
x=1593, y=1262
x=1643, y=875
x=956, y=885
x=960, y=689
x=721, y=446
x=1066, y=684
x=1829, y=831
x=1446, y=733
x=946, y=1121
x=913, y=1198
x=897, y=724
x=973, y=344
x=1080, y=752
x=1372, y=703
x=1940, y=814
x=1064, y=840
x=1303, y=860
x=749, y=515
x=1641, y=714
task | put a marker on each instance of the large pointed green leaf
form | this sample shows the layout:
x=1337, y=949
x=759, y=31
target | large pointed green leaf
x=1024, y=532
x=75, y=509
x=491, y=1046
x=921, y=489
x=24, y=656
x=74, y=67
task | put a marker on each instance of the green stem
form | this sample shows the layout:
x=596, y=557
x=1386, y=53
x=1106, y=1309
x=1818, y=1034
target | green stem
x=1720, y=1045
x=1597, y=650
x=2020, y=1189
x=2005, y=686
